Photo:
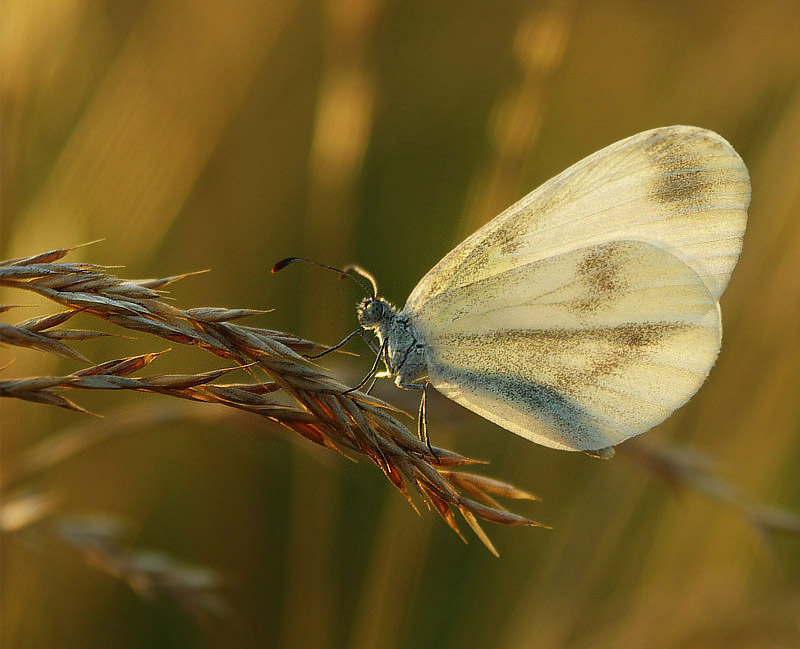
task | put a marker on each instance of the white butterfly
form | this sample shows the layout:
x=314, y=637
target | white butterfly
x=587, y=312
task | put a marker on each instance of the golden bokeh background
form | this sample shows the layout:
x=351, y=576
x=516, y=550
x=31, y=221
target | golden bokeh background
x=226, y=135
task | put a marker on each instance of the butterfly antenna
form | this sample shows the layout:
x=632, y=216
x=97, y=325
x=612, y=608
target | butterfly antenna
x=343, y=272
x=365, y=274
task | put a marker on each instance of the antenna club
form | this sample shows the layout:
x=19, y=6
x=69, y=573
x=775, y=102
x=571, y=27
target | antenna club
x=283, y=263
x=347, y=271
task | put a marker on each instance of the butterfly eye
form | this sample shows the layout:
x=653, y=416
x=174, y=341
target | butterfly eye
x=369, y=312
x=372, y=312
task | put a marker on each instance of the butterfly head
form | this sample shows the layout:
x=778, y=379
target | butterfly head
x=373, y=311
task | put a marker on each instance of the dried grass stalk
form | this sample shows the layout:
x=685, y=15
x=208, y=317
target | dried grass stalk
x=321, y=410
x=151, y=574
x=100, y=540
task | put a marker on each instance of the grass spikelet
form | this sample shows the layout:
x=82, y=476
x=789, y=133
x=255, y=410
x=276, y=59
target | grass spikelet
x=321, y=409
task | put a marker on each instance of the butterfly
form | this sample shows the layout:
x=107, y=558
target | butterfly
x=588, y=311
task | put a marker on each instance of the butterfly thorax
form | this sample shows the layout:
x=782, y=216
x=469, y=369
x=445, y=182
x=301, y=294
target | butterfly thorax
x=403, y=352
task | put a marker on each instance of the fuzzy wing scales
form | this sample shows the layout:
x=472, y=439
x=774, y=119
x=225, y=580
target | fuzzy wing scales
x=680, y=188
x=579, y=351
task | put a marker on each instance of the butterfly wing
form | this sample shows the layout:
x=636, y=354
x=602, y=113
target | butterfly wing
x=588, y=311
x=680, y=188
x=579, y=351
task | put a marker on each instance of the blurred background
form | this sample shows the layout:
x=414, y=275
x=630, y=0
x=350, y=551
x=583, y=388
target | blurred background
x=227, y=135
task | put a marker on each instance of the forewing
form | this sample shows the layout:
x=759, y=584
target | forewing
x=680, y=188
x=579, y=351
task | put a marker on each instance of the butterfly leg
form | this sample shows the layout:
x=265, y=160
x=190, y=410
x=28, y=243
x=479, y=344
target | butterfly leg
x=422, y=415
x=376, y=376
x=343, y=342
x=372, y=372
x=375, y=349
